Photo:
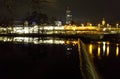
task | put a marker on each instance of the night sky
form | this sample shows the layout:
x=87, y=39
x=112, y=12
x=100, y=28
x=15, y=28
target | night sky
x=82, y=10
x=88, y=10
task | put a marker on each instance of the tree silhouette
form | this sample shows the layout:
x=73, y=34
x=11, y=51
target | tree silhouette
x=33, y=6
x=39, y=18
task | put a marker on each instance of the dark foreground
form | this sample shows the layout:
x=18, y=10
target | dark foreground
x=29, y=61
x=45, y=58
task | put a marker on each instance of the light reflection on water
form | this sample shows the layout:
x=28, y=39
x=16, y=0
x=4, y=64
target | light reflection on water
x=39, y=40
x=106, y=56
x=33, y=40
x=103, y=49
x=98, y=49
x=37, y=56
x=117, y=49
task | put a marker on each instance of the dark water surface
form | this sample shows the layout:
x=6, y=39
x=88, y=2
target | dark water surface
x=46, y=58
x=106, y=56
x=20, y=60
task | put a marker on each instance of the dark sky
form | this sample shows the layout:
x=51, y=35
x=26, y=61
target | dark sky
x=82, y=10
x=87, y=10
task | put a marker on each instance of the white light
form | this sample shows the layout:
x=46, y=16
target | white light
x=59, y=28
x=48, y=28
x=104, y=29
x=26, y=29
x=104, y=47
x=35, y=26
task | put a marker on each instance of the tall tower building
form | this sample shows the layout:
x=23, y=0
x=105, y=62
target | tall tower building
x=103, y=22
x=68, y=15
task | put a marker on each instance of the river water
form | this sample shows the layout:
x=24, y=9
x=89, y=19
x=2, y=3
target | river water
x=106, y=57
x=43, y=58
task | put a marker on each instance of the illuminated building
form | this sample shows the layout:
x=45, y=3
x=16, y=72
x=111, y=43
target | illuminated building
x=26, y=23
x=103, y=22
x=68, y=16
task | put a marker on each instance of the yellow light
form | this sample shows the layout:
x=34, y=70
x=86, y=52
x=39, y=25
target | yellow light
x=74, y=42
x=108, y=49
x=107, y=42
x=99, y=25
x=117, y=50
x=117, y=25
x=82, y=25
x=74, y=28
x=67, y=42
x=98, y=51
x=108, y=25
x=103, y=21
x=90, y=49
x=90, y=24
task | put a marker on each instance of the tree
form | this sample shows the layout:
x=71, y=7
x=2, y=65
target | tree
x=39, y=18
x=32, y=6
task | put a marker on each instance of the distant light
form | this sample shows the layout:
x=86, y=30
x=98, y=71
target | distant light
x=82, y=25
x=69, y=48
x=108, y=49
x=104, y=47
x=108, y=25
x=103, y=21
x=117, y=25
x=48, y=27
x=117, y=49
x=99, y=51
x=90, y=49
x=104, y=29
x=90, y=24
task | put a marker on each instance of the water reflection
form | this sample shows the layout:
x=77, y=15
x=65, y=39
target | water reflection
x=117, y=49
x=39, y=57
x=90, y=49
x=103, y=49
x=98, y=49
x=34, y=40
x=108, y=49
x=39, y=40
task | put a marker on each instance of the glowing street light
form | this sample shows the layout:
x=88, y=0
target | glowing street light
x=117, y=25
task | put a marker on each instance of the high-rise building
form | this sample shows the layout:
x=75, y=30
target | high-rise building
x=68, y=15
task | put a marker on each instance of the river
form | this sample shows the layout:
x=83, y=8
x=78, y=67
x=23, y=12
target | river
x=43, y=58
